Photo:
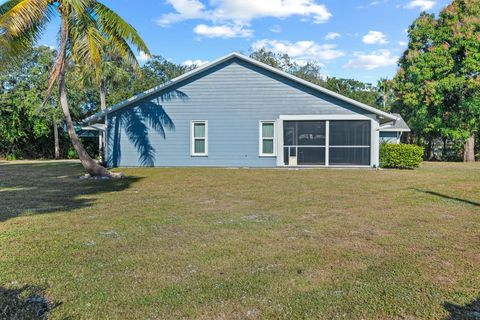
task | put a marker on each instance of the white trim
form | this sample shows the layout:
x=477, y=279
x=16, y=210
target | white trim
x=307, y=117
x=393, y=130
x=333, y=146
x=280, y=151
x=375, y=144
x=261, y=138
x=105, y=145
x=193, y=138
x=327, y=143
x=374, y=139
x=381, y=114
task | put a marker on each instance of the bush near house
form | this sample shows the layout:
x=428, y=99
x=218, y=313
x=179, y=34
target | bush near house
x=400, y=156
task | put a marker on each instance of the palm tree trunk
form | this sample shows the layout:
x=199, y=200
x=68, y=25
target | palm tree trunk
x=90, y=165
x=55, y=138
x=103, y=106
x=469, y=150
x=103, y=100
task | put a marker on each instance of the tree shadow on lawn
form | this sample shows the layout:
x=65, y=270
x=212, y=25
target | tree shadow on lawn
x=444, y=196
x=48, y=187
x=469, y=311
x=27, y=302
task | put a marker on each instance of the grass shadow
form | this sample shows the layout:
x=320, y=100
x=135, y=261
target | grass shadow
x=444, y=196
x=48, y=187
x=469, y=311
x=27, y=302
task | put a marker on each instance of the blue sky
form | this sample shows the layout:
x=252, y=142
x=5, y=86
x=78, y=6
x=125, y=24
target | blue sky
x=358, y=39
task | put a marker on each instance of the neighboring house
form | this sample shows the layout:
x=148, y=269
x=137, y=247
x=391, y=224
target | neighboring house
x=238, y=112
x=392, y=132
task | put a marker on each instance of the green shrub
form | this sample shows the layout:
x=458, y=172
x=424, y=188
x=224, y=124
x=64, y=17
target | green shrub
x=401, y=156
x=12, y=157
x=72, y=154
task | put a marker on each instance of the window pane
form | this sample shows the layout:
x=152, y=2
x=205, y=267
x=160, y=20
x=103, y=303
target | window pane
x=311, y=156
x=349, y=156
x=267, y=146
x=311, y=133
x=350, y=133
x=306, y=133
x=267, y=130
x=289, y=133
x=199, y=146
x=199, y=130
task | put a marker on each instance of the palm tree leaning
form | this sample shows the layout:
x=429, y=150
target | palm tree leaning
x=87, y=29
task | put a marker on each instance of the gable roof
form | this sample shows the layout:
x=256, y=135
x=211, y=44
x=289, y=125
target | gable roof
x=163, y=86
x=398, y=126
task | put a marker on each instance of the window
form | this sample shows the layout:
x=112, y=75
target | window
x=304, y=142
x=327, y=142
x=267, y=138
x=199, y=142
x=350, y=142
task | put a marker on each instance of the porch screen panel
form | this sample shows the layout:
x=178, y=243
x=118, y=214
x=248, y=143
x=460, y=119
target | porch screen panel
x=304, y=140
x=350, y=142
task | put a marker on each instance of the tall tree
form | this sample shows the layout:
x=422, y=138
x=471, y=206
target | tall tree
x=385, y=94
x=87, y=27
x=22, y=89
x=439, y=75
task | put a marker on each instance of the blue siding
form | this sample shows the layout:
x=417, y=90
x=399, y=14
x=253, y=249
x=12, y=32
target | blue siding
x=233, y=97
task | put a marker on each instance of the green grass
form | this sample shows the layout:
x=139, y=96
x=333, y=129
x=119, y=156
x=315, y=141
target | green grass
x=243, y=244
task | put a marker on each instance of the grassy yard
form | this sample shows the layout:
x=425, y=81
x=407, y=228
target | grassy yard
x=242, y=244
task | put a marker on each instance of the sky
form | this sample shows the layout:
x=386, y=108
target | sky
x=360, y=39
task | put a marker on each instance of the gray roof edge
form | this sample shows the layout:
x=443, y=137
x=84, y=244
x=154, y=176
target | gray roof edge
x=398, y=126
x=227, y=57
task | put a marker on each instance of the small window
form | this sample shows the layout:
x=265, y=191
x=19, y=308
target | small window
x=199, y=143
x=267, y=138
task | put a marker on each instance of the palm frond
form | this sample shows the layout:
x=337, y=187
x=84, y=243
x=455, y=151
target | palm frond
x=120, y=48
x=21, y=24
x=113, y=25
x=8, y=5
x=24, y=15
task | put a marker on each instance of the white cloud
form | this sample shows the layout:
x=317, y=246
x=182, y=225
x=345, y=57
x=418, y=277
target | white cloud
x=423, y=5
x=374, y=37
x=373, y=60
x=371, y=4
x=196, y=62
x=402, y=43
x=332, y=36
x=143, y=57
x=301, y=51
x=223, y=31
x=243, y=11
x=275, y=28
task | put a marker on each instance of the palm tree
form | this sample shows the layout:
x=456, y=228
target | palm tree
x=87, y=28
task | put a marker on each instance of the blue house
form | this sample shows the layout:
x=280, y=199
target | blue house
x=238, y=112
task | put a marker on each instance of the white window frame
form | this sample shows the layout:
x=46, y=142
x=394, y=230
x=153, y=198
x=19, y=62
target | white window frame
x=261, y=138
x=192, y=138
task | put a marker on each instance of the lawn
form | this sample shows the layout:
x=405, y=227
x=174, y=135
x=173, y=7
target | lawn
x=241, y=243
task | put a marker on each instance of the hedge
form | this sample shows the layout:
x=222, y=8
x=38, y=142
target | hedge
x=400, y=156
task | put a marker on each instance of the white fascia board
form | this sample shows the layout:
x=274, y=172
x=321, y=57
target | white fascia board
x=326, y=117
x=393, y=130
